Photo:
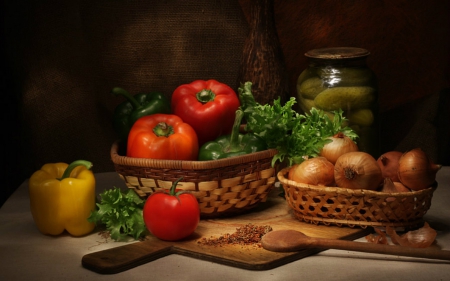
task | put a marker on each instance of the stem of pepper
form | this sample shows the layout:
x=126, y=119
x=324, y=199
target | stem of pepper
x=119, y=91
x=72, y=166
x=205, y=96
x=162, y=129
x=234, y=139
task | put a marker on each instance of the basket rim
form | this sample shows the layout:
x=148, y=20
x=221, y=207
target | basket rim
x=187, y=165
x=347, y=191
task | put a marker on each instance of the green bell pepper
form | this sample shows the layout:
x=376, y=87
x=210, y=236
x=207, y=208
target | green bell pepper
x=137, y=106
x=232, y=145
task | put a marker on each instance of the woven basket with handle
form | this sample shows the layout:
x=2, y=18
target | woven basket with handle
x=358, y=207
x=223, y=187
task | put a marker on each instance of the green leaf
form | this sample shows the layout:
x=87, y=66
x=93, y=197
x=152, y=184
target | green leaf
x=121, y=213
x=295, y=136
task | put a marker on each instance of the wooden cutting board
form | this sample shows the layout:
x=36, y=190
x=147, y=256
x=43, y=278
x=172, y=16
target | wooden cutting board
x=274, y=212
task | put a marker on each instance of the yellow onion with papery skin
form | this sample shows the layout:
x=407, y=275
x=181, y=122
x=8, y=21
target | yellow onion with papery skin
x=416, y=171
x=340, y=144
x=357, y=170
x=388, y=163
x=315, y=171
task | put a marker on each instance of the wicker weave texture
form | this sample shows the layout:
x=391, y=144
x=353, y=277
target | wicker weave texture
x=223, y=187
x=340, y=206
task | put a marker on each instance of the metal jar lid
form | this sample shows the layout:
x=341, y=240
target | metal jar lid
x=338, y=53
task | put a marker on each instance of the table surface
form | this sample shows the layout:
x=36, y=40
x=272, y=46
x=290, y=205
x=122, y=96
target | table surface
x=25, y=253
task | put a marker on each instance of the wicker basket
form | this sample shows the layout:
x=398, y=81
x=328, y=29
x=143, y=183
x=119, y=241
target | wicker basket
x=223, y=187
x=341, y=206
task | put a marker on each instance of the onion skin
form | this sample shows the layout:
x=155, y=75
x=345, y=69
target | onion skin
x=421, y=238
x=416, y=171
x=339, y=145
x=388, y=163
x=315, y=171
x=357, y=170
x=393, y=187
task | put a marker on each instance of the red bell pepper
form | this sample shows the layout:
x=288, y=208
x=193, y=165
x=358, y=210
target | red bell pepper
x=162, y=136
x=208, y=106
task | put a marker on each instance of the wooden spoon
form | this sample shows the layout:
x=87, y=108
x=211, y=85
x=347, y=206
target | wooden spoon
x=292, y=240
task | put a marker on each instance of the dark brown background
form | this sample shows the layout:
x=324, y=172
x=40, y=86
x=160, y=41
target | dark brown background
x=61, y=59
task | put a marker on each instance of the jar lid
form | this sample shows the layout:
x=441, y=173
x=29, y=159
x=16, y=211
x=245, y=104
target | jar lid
x=337, y=53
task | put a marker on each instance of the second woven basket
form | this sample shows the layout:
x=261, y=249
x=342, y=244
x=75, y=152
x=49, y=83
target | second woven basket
x=355, y=207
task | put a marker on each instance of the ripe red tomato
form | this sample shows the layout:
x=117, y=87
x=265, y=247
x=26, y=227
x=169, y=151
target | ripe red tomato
x=171, y=216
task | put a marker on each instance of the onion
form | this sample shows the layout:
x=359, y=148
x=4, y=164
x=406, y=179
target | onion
x=388, y=163
x=357, y=170
x=315, y=171
x=393, y=187
x=416, y=170
x=340, y=144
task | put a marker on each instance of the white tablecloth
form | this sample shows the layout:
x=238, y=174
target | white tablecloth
x=26, y=254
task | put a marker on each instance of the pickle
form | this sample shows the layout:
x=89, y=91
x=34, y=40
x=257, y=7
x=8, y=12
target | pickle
x=331, y=116
x=346, y=98
x=310, y=88
x=303, y=76
x=363, y=117
x=305, y=104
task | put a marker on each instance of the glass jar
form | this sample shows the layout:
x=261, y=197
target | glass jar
x=339, y=78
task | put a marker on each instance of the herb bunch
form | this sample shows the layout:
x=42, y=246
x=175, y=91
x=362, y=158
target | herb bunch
x=296, y=136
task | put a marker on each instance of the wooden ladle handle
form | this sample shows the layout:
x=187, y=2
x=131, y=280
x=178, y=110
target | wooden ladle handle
x=429, y=253
x=292, y=240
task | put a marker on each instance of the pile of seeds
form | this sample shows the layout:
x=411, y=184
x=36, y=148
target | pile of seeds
x=248, y=234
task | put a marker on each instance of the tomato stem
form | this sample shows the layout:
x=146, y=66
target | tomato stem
x=174, y=187
x=205, y=96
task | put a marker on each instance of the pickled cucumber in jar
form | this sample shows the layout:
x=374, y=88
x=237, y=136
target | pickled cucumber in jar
x=339, y=78
x=346, y=98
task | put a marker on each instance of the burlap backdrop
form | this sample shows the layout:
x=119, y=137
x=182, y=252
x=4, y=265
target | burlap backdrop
x=63, y=58
x=72, y=53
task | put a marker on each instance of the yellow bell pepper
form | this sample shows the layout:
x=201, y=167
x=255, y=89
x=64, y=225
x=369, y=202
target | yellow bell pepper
x=62, y=197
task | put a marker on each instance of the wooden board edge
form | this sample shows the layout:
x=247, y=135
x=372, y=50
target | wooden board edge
x=102, y=263
x=261, y=266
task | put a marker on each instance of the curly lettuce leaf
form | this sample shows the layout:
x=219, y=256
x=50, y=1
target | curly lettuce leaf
x=295, y=136
x=121, y=213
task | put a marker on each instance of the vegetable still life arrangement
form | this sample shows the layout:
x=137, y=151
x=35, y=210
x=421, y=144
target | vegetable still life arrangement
x=318, y=149
x=62, y=196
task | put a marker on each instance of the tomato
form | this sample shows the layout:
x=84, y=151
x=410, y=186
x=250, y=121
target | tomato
x=171, y=216
x=208, y=106
x=162, y=136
